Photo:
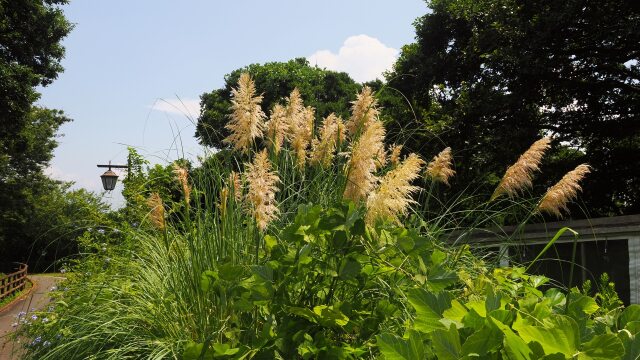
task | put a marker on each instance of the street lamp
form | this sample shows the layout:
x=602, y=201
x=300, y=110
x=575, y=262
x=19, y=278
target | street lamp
x=109, y=178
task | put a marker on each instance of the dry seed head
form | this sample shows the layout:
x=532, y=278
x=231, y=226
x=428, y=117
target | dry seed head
x=154, y=202
x=519, y=175
x=393, y=197
x=302, y=133
x=439, y=169
x=294, y=114
x=395, y=155
x=565, y=190
x=362, y=162
x=364, y=110
x=182, y=174
x=277, y=127
x=261, y=189
x=324, y=146
x=247, y=118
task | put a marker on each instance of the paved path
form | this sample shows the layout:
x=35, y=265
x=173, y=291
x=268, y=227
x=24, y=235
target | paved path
x=38, y=299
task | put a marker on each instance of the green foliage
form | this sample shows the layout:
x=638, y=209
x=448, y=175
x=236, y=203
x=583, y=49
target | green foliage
x=488, y=77
x=327, y=91
x=31, y=32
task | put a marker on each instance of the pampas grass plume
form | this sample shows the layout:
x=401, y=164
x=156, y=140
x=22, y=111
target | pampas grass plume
x=182, y=174
x=439, y=169
x=556, y=198
x=154, y=202
x=393, y=197
x=247, y=118
x=261, y=189
x=277, y=127
x=362, y=162
x=519, y=175
x=325, y=145
x=364, y=110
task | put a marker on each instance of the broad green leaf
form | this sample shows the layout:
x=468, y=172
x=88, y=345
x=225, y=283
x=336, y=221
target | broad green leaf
x=329, y=316
x=350, y=268
x=270, y=242
x=438, y=257
x=602, y=347
x=515, y=347
x=631, y=345
x=488, y=339
x=582, y=304
x=631, y=313
x=393, y=347
x=456, y=312
x=224, y=350
x=633, y=327
x=206, y=278
x=194, y=351
x=427, y=319
x=439, y=279
x=446, y=343
x=230, y=272
x=559, y=335
x=303, y=312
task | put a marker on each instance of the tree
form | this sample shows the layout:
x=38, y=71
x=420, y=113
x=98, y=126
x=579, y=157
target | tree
x=489, y=77
x=31, y=32
x=327, y=91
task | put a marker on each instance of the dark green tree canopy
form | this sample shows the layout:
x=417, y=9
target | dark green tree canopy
x=31, y=32
x=489, y=77
x=327, y=91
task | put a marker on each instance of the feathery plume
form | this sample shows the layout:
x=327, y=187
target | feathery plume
x=395, y=155
x=154, y=202
x=324, y=146
x=393, y=196
x=247, y=118
x=556, y=198
x=439, y=169
x=301, y=132
x=519, y=175
x=362, y=162
x=364, y=110
x=277, y=127
x=182, y=174
x=262, y=187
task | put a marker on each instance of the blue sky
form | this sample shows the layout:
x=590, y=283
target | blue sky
x=128, y=62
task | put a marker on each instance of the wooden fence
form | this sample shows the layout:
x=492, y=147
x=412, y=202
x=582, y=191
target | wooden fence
x=14, y=282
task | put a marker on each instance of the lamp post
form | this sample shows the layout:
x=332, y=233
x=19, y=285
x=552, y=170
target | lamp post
x=109, y=178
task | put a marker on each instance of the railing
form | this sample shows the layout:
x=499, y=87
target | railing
x=13, y=282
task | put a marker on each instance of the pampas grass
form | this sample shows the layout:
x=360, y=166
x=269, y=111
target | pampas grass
x=261, y=189
x=156, y=215
x=277, y=127
x=519, y=175
x=394, y=195
x=325, y=145
x=364, y=111
x=247, y=118
x=182, y=175
x=556, y=198
x=439, y=169
x=362, y=163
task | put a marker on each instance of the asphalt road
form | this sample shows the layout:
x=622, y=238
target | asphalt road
x=37, y=300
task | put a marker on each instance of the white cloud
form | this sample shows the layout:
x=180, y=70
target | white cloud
x=187, y=107
x=363, y=57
